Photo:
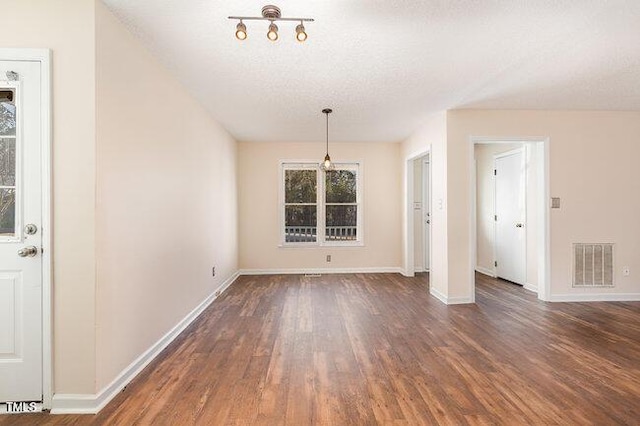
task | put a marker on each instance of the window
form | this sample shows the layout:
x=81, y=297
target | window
x=314, y=200
x=300, y=206
x=341, y=205
x=8, y=187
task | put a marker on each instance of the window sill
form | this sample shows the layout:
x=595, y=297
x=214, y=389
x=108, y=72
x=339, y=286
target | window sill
x=354, y=244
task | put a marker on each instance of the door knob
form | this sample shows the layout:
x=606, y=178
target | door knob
x=519, y=225
x=28, y=251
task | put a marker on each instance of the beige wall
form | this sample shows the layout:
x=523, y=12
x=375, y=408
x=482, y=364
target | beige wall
x=431, y=136
x=67, y=28
x=166, y=200
x=592, y=168
x=259, y=209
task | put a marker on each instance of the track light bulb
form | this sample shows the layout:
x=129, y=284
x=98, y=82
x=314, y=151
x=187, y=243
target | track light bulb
x=241, y=31
x=301, y=35
x=273, y=32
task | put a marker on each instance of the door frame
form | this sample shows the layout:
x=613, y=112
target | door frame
x=426, y=205
x=43, y=57
x=522, y=150
x=541, y=146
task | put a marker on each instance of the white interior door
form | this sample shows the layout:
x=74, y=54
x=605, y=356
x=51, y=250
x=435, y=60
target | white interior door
x=20, y=232
x=426, y=209
x=510, y=235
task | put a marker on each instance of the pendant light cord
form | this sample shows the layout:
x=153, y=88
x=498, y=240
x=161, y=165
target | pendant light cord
x=327, y=114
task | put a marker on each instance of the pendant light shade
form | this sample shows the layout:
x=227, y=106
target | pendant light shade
x=327, y=165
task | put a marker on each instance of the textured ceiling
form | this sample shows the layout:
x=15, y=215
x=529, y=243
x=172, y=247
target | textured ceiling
x=385, y=65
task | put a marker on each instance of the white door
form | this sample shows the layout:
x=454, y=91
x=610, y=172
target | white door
x=510, y=236
x=20, y=232
x=426, y=208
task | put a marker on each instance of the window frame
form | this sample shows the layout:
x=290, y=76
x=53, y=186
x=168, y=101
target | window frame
x=321, y=203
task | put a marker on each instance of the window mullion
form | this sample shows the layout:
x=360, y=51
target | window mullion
x=320, y=198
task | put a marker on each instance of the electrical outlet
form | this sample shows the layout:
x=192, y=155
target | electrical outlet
x=625, y=271
x=213, y=271
x=328, y=258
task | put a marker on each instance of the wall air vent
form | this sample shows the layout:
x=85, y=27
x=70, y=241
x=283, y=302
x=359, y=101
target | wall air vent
x=592, y=265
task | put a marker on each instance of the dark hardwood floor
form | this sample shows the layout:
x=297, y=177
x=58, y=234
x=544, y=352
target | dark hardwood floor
x=378, y=349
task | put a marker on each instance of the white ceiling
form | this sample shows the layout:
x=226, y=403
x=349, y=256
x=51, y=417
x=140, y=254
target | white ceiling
x=385, y=65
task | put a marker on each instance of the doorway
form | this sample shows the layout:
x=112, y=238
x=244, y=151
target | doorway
x=417, y=236
x=422, y=214
x=509, y=219
x=25, y=298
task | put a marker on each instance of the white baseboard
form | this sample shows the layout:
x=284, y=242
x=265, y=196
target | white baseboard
x=404, y=273
x=531, y=287
x=486, y=271
x=462, y=300
x=450, y=300
x=91, y=404
x=595, y=297
x=71, y=403
x=438, y=295
x=382, y=270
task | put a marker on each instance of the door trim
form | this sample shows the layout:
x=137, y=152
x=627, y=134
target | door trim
x=426, y=204
x=541, y=145
x=43, y=56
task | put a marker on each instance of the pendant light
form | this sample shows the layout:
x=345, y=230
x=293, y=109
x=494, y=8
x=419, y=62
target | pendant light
x=327, y=165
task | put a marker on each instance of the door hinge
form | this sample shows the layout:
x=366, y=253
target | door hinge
x=495, y=263
x=495, y=217
x=495, y=172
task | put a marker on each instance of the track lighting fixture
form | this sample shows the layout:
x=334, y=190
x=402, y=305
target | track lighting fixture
x=271, y=13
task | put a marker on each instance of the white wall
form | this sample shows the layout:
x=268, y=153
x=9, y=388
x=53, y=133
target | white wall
x=432, y=137
x=592, y=169
x=139, y=150
x=67, y=28
x=166, y=209
x=259, y=208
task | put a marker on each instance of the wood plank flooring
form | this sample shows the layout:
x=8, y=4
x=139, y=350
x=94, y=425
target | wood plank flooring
x=378, y=349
